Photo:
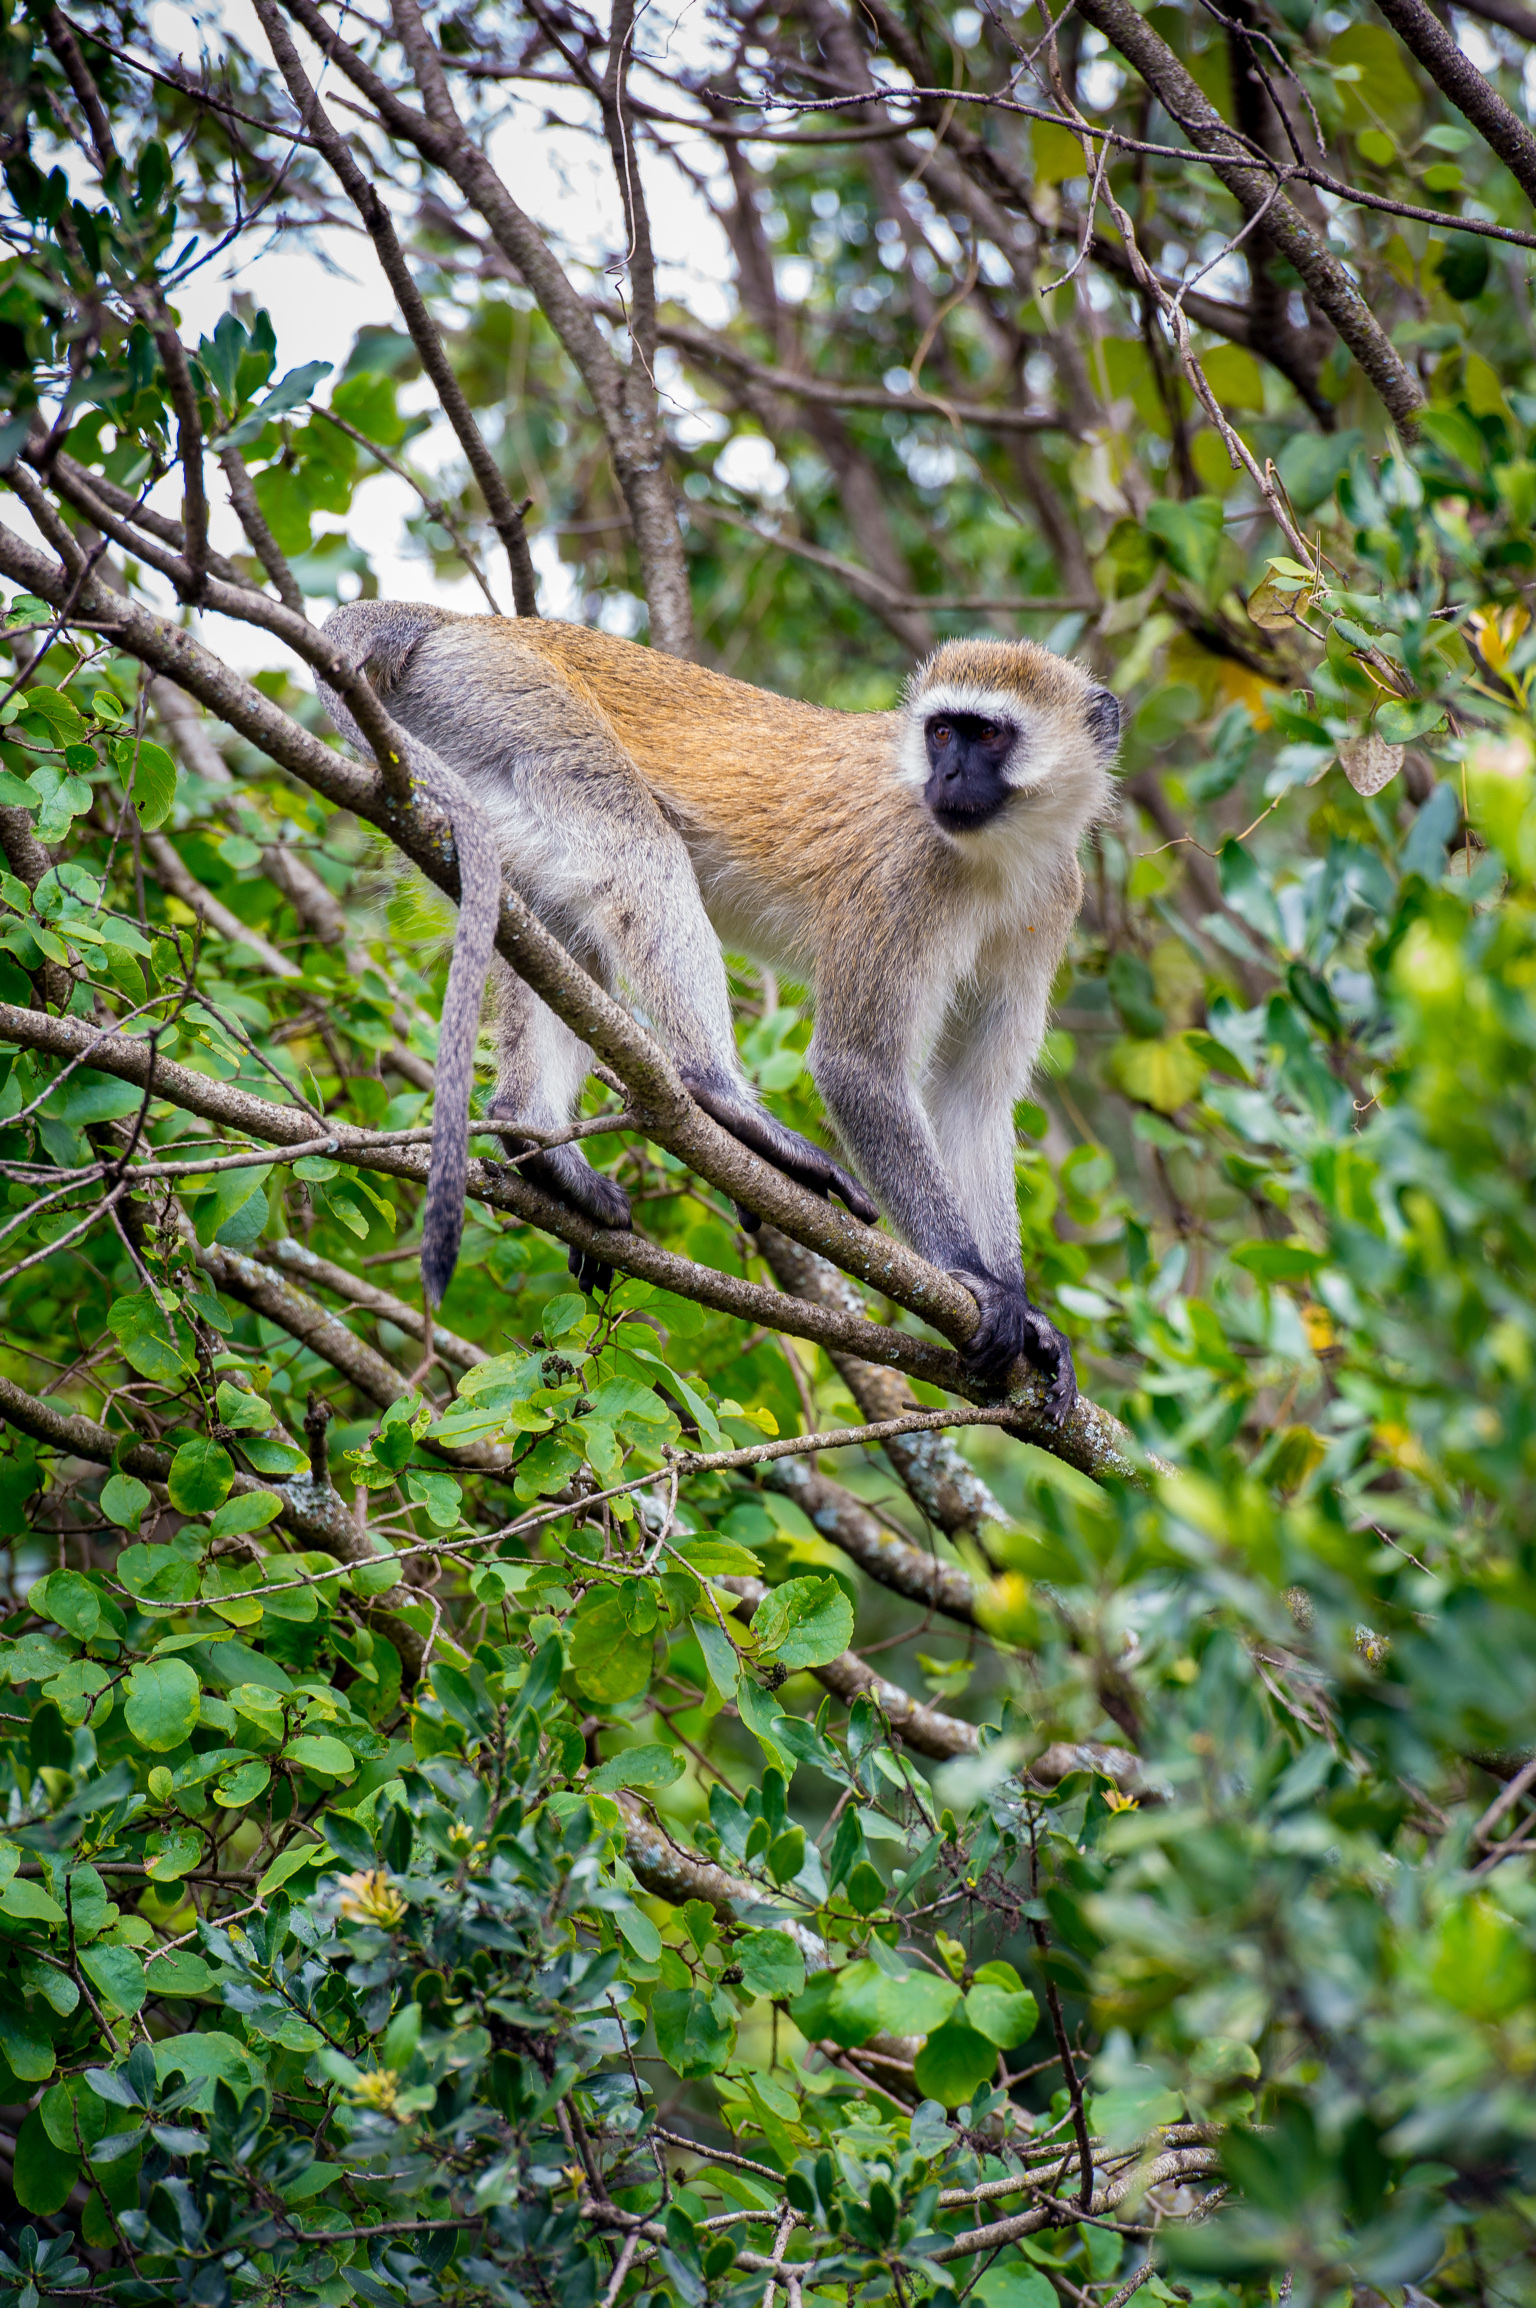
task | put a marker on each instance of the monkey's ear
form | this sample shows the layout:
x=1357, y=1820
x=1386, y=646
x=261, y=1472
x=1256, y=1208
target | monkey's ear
x=1103, y=719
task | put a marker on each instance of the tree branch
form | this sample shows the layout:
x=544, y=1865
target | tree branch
x=1456, y=76
x=297, y=1258
x=634, y=442
x=1090, y=1439
x=320, y=1517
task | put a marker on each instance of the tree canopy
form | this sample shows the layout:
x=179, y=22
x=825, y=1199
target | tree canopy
x=678, y=1798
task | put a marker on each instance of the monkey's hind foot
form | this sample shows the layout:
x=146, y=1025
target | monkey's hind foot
x=808, y=1164
x=565, y=1172
x=1011, y=1326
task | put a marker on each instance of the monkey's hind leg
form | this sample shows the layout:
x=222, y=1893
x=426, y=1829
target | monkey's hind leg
x=542, y=1068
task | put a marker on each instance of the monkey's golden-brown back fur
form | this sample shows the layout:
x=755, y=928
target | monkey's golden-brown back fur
x=781, y=795
x=723, y=755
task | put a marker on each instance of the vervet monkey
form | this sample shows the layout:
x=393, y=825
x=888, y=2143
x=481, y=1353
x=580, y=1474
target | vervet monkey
x=918, y=868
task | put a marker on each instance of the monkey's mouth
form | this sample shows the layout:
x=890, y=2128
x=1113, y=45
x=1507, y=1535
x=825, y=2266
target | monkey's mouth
x=966, y=813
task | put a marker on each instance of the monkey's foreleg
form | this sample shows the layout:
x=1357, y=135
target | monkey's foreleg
x=542, y=1068
x=973, y=1082
x=881, y=1121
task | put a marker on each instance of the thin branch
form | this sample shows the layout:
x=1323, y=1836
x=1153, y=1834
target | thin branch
x=505, y=518
x=253, y=521
x=829, y=393
x=1252, y=185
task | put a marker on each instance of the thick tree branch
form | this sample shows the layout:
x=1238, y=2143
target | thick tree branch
x=1090, y=1439
x=1457, y=77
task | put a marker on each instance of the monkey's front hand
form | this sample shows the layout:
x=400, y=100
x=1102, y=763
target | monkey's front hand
x=1011, y=1326
x=809, y=1165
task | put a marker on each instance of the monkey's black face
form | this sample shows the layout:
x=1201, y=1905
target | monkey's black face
x=967, y=755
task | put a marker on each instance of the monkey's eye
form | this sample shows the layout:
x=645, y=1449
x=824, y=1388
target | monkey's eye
x=941, y=733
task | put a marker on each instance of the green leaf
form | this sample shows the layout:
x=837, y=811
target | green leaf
x=1004, y=2017
x=34, y=1659
x=1016, y=2286
x=720, y=1559
x=70, y=1600
x=442, y=1497
x=721, y=1663
x=232, y=1190
x=916, y=2005
x=1190, y=535
x=28, y=2053
x=163, y=1704
x=250, y=1511
x=289, y=1863
x=118, y=1973
x=1278, y=1261
x=1248, y=893
x=123, y=1500
x=771, y=1963
x=176, y=1972
x=159, y=1576
x=1313, y=464
x=610, y=1655
x=88, y=1097
x=149, y=777
x=690, y=2037
x=638, y=1932
x=295, y=388
x=1401, y=720
x=786, y=1855
x=245, y=1785
x=143, y=1330
x=804, y=1623
x=318, y=1753
x=71, y=2112
x=60, y=714
x=239, y=1407
x=953, y=2063
x=274, y=1455
x=42, y=2174
x=28, y=1902
x=171, y=1853
x=637, y=1767
x=200, y=1476
x=547, y=1467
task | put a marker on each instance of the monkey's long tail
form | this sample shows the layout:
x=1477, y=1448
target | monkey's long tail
x=381, y=636
x=479, y=862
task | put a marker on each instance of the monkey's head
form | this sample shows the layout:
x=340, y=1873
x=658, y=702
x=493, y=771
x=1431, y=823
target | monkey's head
x=988, y=725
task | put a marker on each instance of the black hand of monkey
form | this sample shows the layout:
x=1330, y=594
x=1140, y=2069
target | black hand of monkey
x=808, y=1164
x=1010, y=1327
